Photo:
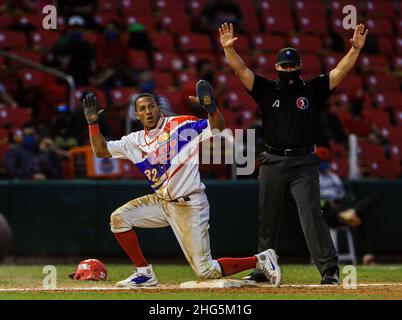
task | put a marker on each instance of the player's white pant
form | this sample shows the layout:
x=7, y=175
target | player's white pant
x=189, y=221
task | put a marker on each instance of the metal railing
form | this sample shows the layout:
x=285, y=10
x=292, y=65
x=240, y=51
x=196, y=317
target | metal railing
x=54, y=72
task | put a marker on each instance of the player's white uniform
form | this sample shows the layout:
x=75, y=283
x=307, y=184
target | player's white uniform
x=165, y=155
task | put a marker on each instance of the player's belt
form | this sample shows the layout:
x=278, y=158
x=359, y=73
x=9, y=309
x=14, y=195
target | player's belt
x=182, y=199
x=289, y=152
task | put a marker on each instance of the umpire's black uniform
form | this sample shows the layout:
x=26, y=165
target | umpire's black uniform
x=290, y=113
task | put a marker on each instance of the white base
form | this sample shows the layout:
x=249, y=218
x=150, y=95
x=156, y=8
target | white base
x=217, y=283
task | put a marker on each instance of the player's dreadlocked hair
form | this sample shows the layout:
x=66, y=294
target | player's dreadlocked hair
x=141, y=95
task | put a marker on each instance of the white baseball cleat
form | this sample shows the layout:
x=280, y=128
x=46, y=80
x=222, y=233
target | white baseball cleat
x=144, y=277
x=267, y=263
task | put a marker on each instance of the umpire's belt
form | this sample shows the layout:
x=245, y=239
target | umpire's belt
x=289, y=152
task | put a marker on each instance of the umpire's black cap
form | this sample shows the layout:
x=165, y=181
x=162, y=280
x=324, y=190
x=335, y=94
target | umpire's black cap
x=288, y=55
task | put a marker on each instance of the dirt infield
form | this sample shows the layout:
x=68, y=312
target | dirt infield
x=372, y=290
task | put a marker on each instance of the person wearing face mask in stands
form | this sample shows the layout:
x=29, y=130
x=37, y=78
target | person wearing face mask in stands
x=290, y=108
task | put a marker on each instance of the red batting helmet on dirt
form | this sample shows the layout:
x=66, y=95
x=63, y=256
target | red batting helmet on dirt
x=90, y=269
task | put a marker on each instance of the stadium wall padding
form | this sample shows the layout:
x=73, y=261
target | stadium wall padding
x=71, y=218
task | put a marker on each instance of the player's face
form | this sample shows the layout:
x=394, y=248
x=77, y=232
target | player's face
x=288, y=67
x=148, y=112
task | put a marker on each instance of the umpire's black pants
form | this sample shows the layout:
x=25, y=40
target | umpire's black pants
x=298, y=176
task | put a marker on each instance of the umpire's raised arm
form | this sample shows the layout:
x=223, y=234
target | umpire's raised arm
x=237, y=64
x=98, y=142
x=346, y=64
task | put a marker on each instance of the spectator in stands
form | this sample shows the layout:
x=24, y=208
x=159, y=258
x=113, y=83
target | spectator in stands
x=341, y=209
x=204, y=70
x=139, y=40
x=6, y=98
x=48, y=158
x=85, y=9
x=75, y=54
x=112, y=58
x=61, y=131
x=354, y=122
x=216, y=12
x=331, y=130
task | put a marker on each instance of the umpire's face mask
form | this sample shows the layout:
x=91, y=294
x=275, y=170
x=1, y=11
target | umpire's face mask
x=286, y=76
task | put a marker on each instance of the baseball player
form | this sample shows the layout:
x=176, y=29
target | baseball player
x=164, y=151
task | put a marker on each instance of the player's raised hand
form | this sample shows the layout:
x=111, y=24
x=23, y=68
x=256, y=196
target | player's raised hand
x=359, y=37
x=91, y=108
x=226, y=35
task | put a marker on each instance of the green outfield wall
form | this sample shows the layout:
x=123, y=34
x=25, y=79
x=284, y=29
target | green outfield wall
x=72, y=218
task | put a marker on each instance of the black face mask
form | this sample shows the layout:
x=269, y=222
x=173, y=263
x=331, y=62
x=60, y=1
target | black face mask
x=285, y=76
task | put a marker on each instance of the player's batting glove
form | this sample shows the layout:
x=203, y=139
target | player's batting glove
x=91, y=108
x=205, y=96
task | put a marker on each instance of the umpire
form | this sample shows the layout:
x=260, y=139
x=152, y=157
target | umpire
x=290, y=110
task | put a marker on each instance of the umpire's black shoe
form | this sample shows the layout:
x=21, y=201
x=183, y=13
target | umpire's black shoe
x=256, y=276
x=331, y=276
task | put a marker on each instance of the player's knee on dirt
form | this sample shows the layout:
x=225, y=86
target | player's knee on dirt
x=209, y=270
x=118, y=223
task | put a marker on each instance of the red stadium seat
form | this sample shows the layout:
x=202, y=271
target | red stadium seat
x=162, y=41
x=311, y=24
x=195, y=42
x=170, y=6
x=341, y=167
x=102, y=18
x=191, y=59
x=16, y=117
x=31, y=55
x=274, y=23
x=331, y=60
x=32, y=19
x=388, y=100
x=368, y=151
x=398, y=22
x=388, y=169
x=382, y=83
x=374, y=63
x=44, y=39
x=138, y=60
x=265, y=61
x=121, y=96
x=184, y=77
x=397, y=63
x=338, y=151
x=353, y=83
x=146, y=20
x=250, y=18
x=13, y=40
x=311, y=63
x=135, y=7
x=396, y=151
x=90, y=36
x=379, y=8
x=379, y=117
x=380, y=26
x=174, y=97
x=178, y=22
x=129, y=170
x=385, y=45
x=231, y=81
x=107, y=5
x=31, y=78
x=167, y=61
x=224, y=64
x=240, y=99
x=394, y=134
x=335, y=6
x=162, y=79
x=6, y=21
x=306, y=44
x=336, y=23
x=268, y=43
x=398, y=118
x=81, y=91
x=196, y=6
x=398, y=44
x=275, y=6
x=242, y=44
x=315, y=7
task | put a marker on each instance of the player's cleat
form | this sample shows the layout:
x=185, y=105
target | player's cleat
x=256, y=276
x=267, y=263
x=205, y=95
x=331, y=276
x=144, y=277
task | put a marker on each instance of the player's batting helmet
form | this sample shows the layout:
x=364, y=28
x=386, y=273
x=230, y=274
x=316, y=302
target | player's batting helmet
x=90, y=269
